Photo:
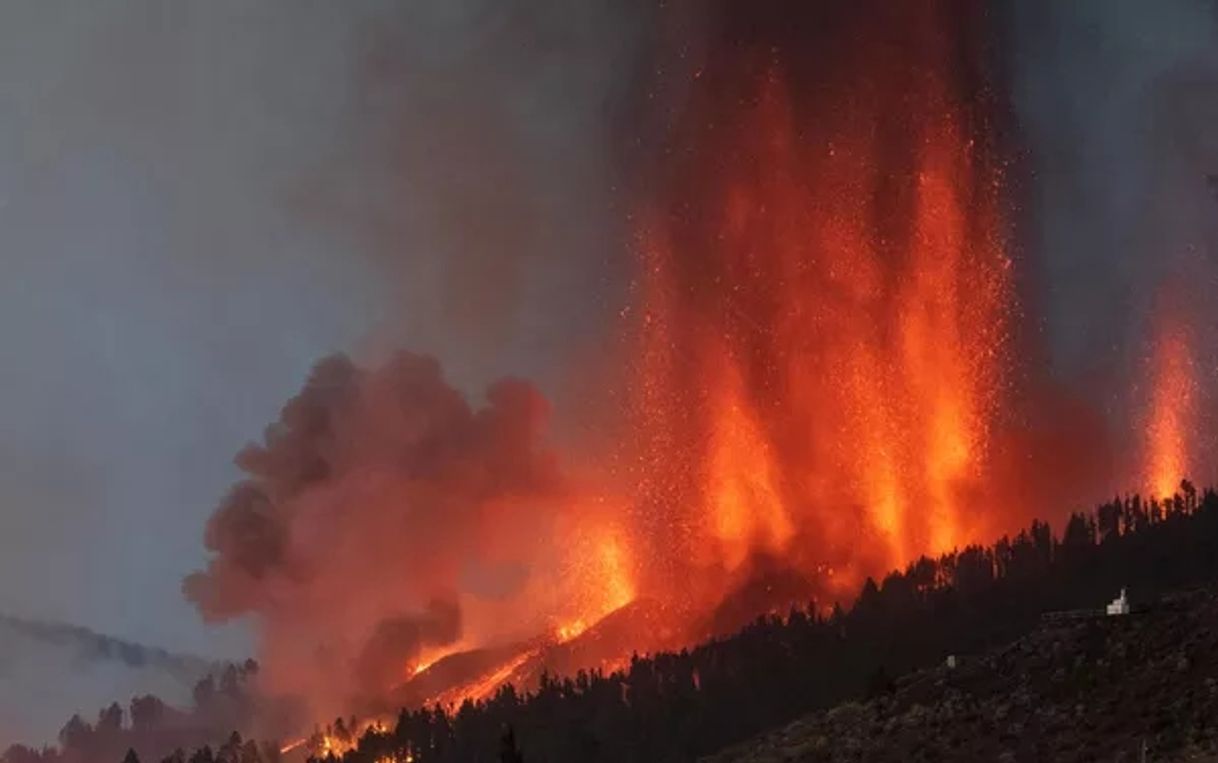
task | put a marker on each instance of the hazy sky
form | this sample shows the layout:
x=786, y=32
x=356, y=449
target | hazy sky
x=198, y=200
x=159, y=298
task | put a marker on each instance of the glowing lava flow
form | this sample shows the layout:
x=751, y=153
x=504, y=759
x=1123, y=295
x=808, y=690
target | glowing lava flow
x=485, y=685
x=430, y=657
x=1172, y=403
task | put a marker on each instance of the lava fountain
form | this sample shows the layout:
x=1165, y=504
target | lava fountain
x=824, y=306
x=1172, y=407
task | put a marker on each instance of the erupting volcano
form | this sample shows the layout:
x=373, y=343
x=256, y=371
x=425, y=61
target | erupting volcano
x=818, y=365
x=817, y=345
x=678, y=367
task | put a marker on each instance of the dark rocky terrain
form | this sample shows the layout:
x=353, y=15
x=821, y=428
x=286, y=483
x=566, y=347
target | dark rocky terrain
x=1134, y=687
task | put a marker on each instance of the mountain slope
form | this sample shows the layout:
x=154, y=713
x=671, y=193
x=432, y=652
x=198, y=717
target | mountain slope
x=48, y=671
x=1096, y=688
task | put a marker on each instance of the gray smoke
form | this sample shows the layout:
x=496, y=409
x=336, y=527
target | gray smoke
x=1117, y=109
x=366, y=507
x=484, y=179
x=1117, y=104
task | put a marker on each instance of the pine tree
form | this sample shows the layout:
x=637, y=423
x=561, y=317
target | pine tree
x=508, y=752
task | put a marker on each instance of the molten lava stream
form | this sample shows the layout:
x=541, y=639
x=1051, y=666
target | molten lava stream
x=429, y=657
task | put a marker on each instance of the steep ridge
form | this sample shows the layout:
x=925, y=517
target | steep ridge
x=48, y=671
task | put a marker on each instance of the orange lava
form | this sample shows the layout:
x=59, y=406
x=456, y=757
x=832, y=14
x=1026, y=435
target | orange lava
x=823, y=330
x=1172, y=402
x=430, y=657
x=484, y=686
x=600, y=566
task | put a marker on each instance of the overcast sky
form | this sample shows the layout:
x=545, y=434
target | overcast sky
x=159, y=298
x=1117, y=110
x=198, y=200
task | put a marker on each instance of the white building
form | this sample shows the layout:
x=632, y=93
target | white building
x=1119, y=605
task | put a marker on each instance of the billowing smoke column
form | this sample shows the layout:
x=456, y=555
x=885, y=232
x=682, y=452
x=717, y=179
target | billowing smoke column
x=824, y=302
x=385, y=519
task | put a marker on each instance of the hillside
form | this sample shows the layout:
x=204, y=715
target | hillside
x=48, y=671
x=683, y=705
x=1091, y=689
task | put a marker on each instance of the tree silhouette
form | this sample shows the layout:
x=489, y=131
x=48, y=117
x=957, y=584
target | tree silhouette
x=680, y=706
x=508, y=752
